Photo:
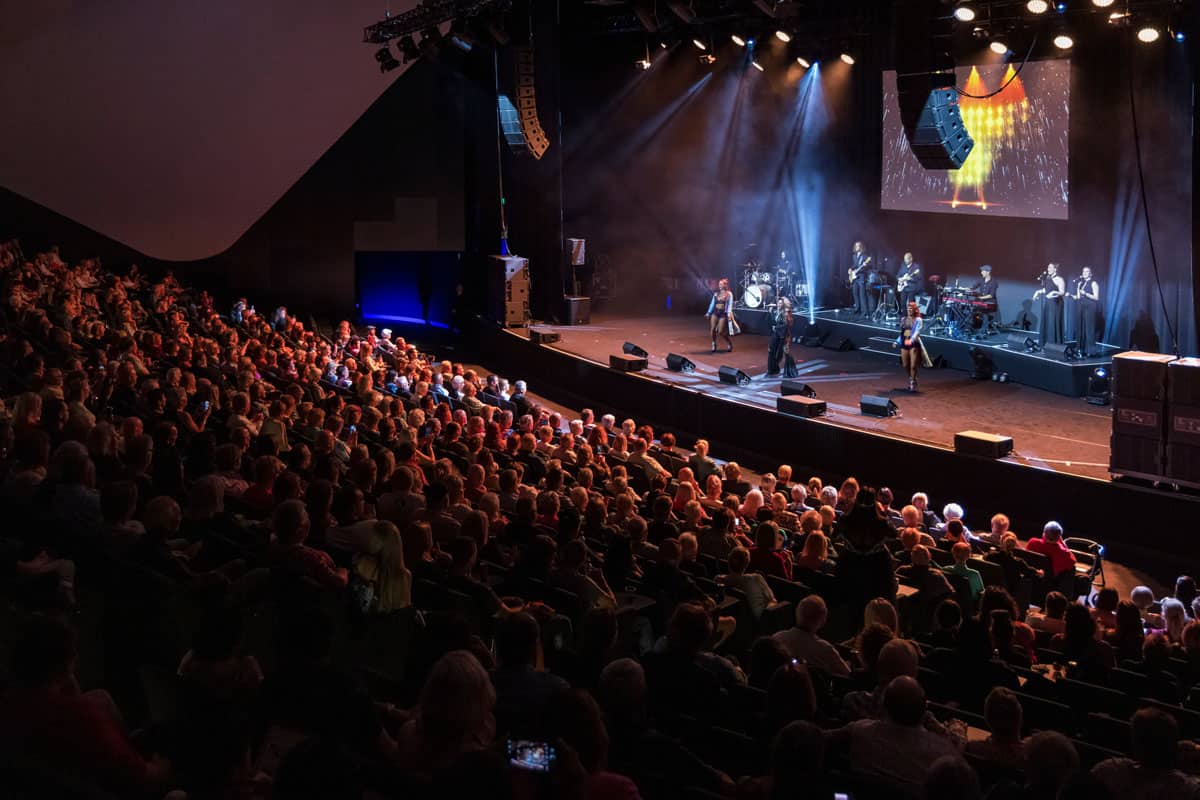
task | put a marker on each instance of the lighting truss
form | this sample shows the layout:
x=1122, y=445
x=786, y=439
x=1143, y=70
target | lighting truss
x=429, y=14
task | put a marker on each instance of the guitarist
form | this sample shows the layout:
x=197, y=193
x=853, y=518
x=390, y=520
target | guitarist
x=909, y=282
x=856, y=276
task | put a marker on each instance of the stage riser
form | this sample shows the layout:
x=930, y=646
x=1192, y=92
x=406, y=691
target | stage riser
x=1023, y=368
x=764, y=438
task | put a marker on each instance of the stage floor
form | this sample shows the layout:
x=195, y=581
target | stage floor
x=1049, y=431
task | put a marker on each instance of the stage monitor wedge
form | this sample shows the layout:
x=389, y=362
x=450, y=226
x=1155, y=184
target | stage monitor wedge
x=793, y=386
x=678, y=363
x=873, y=406
x=627, y=363
x=984, y=445
x=540, y=336
x=631, y=349
x=798, y=405
x=733, y=375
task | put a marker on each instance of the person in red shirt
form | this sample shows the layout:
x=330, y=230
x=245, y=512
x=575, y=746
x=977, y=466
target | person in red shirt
x=290, y=524
x=45, y=716
x=1051, y=545
x=764, y=557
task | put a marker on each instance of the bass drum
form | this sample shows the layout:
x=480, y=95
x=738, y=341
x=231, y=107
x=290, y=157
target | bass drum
x=758, y=296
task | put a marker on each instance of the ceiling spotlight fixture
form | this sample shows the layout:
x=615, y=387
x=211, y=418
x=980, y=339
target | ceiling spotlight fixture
x=708, y=58
x=998, y=47
x=1178, y=36
x=1063, y=42
x=847, y=59
x=802, y=61
x=739, y=41
x=644, y=63
x=1148, y=34
x=964, y=12
x=408, y=47
x=1102, y=3
x=387, y=61
x=756, y=65
x=663, y=45
x=699, y=44
x=783, y=36
x=1037, y=6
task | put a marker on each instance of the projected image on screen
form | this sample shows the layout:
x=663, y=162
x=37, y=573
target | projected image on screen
x=1019, y=165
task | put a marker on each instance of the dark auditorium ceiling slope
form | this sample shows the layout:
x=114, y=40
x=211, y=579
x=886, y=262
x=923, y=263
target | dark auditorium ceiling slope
x=172, y=126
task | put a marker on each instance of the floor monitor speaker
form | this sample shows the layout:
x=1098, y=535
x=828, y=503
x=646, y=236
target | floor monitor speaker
x=733, y=375
x=873, y=406
x=678, y=363
x=631, y=349
x=985, y=445
x=789, y=386
x=839, y=343
x=543, y=336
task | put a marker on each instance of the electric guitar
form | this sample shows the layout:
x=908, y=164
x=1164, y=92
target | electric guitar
x=853, y=273
x=904, y=280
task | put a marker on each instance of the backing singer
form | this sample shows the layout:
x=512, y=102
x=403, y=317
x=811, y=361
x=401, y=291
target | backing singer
x=1087, y=293
x=1050, y=327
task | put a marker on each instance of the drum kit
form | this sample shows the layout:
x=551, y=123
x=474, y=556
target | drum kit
x=762, y=286
x=965, y=316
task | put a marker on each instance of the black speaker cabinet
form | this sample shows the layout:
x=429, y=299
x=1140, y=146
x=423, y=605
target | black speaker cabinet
x=1136, y=455
x=733, y=375
x=543, y=337
x=932, y=120
x=1140, y=375
x=839, y=343
x=678, y=363
x=631, y=349
x=793, y=386
x=1183, y=381
x=984, y=445
x=799, y=405
x=626, y=363
x=1141, y=418
x=1021, y=341
x=873, y=406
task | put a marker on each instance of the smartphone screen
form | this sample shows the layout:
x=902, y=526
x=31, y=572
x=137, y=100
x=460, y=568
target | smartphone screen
x=531, y=756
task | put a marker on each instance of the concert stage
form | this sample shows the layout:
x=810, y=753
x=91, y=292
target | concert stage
x=1060, y=451
x=1031, y=369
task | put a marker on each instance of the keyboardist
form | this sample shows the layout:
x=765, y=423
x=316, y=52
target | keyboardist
x=985, y=289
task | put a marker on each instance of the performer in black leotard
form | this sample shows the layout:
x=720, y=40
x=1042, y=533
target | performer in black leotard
x=720, y=312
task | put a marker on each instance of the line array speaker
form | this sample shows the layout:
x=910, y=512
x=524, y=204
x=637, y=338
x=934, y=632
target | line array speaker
x=531, y=126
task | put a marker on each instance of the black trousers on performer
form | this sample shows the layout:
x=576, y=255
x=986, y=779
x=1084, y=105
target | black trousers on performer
x=1089, y=317
x=859, y=289
x=775, y=352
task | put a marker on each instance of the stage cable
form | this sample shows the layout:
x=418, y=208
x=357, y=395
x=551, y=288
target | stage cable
x=1016, y=74
x=1137, y=148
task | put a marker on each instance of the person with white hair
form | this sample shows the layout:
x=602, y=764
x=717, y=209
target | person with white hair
x=608, y=421
x=1062, y=560
x=518, y=399
x=929, y=517
x=799, y=499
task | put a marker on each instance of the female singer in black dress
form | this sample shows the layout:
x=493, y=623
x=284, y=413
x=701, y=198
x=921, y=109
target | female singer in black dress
x=1087, y=295
x=1050, y=328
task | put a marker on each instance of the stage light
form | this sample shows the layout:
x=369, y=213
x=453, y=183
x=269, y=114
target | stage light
x=965, y=12
x=1178, y=36
x=387, y=61
x=1118, y=18
x=1060, y=7
x=1102, y=3
x=998, y=47
x=847, y=59
x=756, y=65
x=1148, y=34
x=663, y=45
x=699, y=44
x=739, y=41
x=408, y=47
x=644, y=63
x=1037, y=6
x=1099, y=389
x=984, y=367
x=802, y=61
x=1063, y=42
x=783, y=36
x=708, y=58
